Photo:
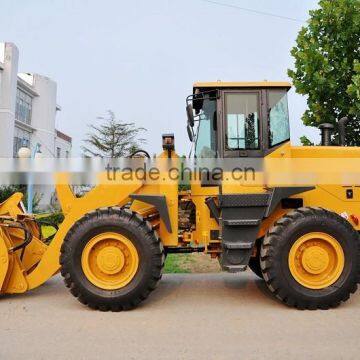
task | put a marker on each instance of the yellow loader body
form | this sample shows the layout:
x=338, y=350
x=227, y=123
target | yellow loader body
x=40, y=261
x=295, y=223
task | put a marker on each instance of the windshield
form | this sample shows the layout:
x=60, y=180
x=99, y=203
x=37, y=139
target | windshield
x=205, y=146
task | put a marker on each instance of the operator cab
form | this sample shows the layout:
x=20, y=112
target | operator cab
x=238, y=119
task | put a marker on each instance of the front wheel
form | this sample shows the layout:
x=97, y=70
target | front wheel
x=310, y=259
x=111, y=259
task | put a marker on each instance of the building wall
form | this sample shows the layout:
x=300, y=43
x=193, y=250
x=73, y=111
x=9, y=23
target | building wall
x=9, y=57
x=44, y=114
x=62, y=148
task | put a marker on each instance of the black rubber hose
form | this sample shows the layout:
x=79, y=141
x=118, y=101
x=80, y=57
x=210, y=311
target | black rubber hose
x=140, y=152
x=27, y=238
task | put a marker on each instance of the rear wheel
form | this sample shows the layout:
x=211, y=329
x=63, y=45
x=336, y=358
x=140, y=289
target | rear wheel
x=111, y=259
x=310, y=259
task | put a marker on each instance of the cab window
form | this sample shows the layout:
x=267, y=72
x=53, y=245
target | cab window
x=242, y=121
x=279, y=129
x=205, y=146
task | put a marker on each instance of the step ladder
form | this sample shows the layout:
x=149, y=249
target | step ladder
x=241, y=216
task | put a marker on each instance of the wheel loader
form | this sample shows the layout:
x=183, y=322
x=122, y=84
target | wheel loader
x=300, y=238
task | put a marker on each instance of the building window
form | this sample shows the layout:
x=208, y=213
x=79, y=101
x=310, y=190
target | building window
x=58, y=152
x=21, y=139
x=19, y=143
x=23, y=107
x=67, y=154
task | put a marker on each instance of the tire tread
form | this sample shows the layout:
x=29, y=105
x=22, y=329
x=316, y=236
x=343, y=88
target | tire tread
x=149, y=235
x=267, y=261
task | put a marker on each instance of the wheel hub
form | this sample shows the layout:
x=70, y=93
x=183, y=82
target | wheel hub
x=110, y=260
x=316, y=260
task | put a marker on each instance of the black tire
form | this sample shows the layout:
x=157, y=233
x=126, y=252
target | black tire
x=275, y=251
x=143, y=237
x=254, y=263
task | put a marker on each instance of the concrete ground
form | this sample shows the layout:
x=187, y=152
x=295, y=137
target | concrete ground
x=189, y=316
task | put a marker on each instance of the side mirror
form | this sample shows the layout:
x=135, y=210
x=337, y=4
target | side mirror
x=190, y=114
x=190, y=132
x=198, y=102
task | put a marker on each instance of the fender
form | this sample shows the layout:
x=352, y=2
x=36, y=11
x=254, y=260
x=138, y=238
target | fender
x=159, y=201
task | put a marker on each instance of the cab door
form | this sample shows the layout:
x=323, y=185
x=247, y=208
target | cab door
x=241, y=127
x=241, y=139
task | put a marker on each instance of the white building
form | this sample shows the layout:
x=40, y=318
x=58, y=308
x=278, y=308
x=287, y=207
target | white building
x=28, y=110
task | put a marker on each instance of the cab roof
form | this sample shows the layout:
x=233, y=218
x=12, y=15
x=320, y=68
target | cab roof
x=242, y=84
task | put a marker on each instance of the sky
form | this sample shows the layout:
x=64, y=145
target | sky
x=140, y=58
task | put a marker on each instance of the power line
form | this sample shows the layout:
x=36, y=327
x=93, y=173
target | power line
x=258, y=12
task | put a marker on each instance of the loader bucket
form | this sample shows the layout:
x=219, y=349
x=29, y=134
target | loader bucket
x=21, y=247
x=4, y=260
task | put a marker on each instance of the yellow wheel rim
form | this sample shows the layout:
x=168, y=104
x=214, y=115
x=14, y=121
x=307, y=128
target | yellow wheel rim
x=110, y=261
x=316, y=260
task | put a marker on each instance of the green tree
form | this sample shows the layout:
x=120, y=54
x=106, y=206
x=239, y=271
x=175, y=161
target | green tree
x=305, y=141
x=112, y=138
x=354, y=89
x=327, y=69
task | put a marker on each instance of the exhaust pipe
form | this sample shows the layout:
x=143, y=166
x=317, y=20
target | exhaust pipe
x=342, y=131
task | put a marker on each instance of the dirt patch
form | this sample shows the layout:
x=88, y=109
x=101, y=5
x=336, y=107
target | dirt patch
x=202, y=263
